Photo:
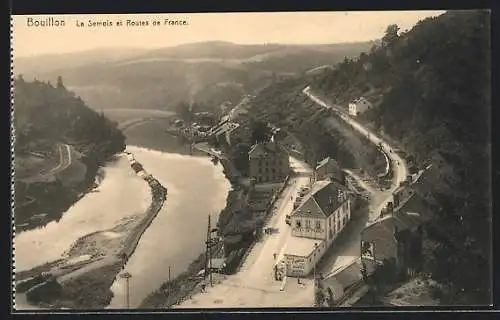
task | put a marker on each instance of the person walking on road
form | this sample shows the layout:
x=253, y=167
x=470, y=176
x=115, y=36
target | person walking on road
x=274, y=256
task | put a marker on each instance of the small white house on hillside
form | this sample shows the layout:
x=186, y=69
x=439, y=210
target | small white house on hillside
x=358, y=106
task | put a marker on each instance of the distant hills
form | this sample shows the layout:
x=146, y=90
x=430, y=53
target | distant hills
x=208, y=73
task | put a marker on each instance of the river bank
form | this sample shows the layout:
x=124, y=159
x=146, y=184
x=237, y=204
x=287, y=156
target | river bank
x=182, y=286
x=102, y=254
x=236, y=238
x=54, y=196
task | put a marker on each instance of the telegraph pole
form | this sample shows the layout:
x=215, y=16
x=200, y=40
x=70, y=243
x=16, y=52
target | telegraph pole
x=169, y=282
x=211, y=242
x=210, y=251
x=207, y=251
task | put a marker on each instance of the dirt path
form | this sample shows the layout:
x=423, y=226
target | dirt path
x=65, y=161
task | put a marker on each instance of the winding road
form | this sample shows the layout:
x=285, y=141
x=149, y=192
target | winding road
x=256, y=272
x=398, y=164
x=346, y=248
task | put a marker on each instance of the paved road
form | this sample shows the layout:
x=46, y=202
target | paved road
x=254, y=285
x=346, y=248
x=398, y=164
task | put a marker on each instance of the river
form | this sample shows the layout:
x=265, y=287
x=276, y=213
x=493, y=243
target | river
x=196, y=188
x=120, y=194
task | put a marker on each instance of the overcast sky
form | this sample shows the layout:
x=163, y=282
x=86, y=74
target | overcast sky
x=242, y=28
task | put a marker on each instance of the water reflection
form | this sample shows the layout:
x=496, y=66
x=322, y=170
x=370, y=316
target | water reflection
x=121, y=194
x=196, y=188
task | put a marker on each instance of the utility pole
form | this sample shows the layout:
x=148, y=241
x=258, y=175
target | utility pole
x=207, y=248
x=127, y=277
x=211, y=242
x=169, y=281
x=314, y=267
x=210, y=251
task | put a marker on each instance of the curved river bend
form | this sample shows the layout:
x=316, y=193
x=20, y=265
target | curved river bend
x=196, y=188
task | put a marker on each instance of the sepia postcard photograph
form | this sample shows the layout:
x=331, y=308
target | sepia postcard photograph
x=194, y=161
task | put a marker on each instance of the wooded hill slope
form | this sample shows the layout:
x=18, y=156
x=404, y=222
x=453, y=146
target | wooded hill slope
x=431, y=88
x=55, y=132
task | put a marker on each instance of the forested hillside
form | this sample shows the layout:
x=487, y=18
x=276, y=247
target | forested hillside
x=431, y=88
x=60, y=143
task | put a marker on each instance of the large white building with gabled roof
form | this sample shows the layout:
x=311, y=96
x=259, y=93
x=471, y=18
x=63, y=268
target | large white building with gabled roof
x=315, y=224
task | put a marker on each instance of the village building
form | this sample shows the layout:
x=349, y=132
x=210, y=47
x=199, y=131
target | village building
x=359, y=106
x=397, y=236
x=268, y=162
x=329, y=169
x=279, y=135
x=339, y=286
x=315, y=224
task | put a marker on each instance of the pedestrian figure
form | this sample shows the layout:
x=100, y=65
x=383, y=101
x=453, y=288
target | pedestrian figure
x=274, y=256
x=298, y=281
x=203, y=288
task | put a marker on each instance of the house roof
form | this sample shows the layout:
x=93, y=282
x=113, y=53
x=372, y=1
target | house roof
x=325, y=197
x=300, y=246
x=327, y=161
x=416, y=203
x=409, y=216
x=265, y=149
x=218, y=262
x=346, y=277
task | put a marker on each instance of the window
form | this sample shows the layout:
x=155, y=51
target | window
x=318, y=224
x=308, y=224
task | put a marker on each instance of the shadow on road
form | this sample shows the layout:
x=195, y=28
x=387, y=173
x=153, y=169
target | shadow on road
x=351, y=232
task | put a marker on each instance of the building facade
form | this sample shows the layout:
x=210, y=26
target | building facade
x=328, y=169
x=315, y=224
x=268, y=162
x=396, y=236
